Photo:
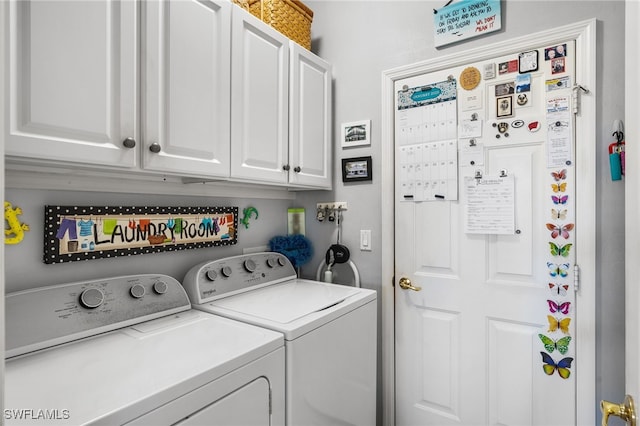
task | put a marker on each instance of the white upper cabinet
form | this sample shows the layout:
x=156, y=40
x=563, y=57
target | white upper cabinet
x=73, y=82
x=259, y=106
x=280, y=109
x=309, y=120
x=185, y=87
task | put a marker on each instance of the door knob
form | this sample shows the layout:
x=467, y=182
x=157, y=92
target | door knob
x=626, y=411
x=405, y=284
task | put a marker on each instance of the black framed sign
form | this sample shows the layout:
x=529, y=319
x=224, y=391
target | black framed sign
x=82, y=233
x=356, y=169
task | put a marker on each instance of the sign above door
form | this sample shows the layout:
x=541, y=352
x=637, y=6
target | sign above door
x=465, y=19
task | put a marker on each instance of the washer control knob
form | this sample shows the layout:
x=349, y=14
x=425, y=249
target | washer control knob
x=271, y=262
x=281, y=261
x=160, y=287
x=137, y=291
x=227, y=271
x=91, y=298
x=211, y=275
x=249, y=265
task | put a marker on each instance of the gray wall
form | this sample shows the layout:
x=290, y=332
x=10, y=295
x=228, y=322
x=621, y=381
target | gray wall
x=363, y=38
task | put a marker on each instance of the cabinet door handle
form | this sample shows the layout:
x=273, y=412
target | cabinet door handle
x=297, y=169
x=155, y=147
x=286, y=167
x=129, y=143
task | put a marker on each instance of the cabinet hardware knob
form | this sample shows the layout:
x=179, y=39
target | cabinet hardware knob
x=297, y=169
x=129, y=143
x=155, y=147
x=286, y=167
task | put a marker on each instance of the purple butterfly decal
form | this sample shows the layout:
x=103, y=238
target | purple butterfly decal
x=563, y=307
x=560, y=199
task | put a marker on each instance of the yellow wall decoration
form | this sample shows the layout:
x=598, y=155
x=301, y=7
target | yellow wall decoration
x=14, y=230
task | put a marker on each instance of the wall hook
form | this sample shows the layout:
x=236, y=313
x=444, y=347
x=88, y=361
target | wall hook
x=618, y=130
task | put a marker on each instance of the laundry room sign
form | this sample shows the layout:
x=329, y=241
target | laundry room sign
x=83, y=233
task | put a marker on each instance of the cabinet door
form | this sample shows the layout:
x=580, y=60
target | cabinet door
x=310, y=120
x=185, y=87
x=259, y=108
x=72, y=81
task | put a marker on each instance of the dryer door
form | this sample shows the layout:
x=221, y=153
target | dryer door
x=232, y=409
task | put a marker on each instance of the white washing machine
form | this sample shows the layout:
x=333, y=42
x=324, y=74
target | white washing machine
x=130, y=350
x=329, y=331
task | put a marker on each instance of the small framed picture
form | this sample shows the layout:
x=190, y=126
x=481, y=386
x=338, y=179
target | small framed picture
x=357, y=133
x=504, y=106
x=528, y=61
x=356, y=169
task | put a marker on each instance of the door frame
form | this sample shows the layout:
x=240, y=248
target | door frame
x=584, y=34
x=632, y=202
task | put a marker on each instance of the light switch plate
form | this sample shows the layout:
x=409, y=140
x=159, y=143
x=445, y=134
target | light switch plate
x=365, y=239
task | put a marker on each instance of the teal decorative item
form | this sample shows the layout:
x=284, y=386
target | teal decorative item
x=246, y=215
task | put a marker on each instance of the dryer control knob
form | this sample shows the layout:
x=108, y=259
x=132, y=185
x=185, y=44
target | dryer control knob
x=227, y=271
x=160, y=287
x=137, y=291
x=281, y=261
x=249, y=265
x=91, y=298
x=271, y=262
x=211, y=275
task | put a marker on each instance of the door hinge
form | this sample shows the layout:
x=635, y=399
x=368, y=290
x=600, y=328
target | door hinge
x=575, y=95
x=576, y=277
x=393, y=281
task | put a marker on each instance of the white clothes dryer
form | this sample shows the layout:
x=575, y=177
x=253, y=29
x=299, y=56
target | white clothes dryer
x=329, y=330
x=130, y=351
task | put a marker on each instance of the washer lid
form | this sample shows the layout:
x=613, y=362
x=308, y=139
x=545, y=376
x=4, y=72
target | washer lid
x=118, y=376
x=287, y=302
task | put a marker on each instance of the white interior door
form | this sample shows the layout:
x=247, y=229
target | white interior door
x=487, y=333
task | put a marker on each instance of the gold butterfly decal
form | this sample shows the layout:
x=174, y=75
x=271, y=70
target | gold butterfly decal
x=556, y=324
x=559, y=187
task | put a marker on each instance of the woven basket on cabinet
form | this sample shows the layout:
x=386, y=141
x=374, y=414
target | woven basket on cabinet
x=291, y=17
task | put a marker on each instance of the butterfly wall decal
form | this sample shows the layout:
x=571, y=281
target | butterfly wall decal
x=559, y=175
x=562, y=366
x=562, y=345
x=559, y=187
x=563, y=230
x=555, y=307
x=556, y=324
x=558, y=270
x=560, y=250
x=558, y=214
x=560, y=200
x=559, y=289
